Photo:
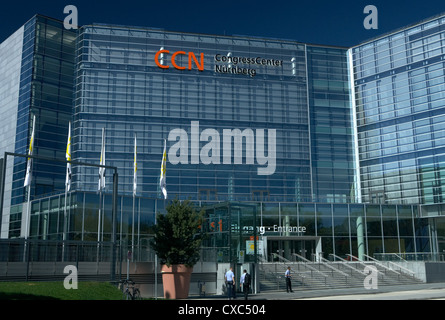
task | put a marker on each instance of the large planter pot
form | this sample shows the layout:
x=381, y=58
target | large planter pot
x=176, y=281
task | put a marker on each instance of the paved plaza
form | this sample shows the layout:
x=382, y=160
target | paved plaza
x=427, y=291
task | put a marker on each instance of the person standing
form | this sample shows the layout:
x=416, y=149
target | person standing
x=230, y=283
x=288, y=280
x=245, y=283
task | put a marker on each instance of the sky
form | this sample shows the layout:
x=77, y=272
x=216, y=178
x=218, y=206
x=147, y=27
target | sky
x=338, y=23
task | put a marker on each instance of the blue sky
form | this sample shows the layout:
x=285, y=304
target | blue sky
x=317, y=21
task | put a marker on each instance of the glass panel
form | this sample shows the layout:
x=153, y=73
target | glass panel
x=307, y=218
x=390, y=231
x=324, y=220
x=343, y=247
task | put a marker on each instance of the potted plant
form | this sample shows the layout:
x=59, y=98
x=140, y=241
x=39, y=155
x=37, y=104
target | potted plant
x=177, y=243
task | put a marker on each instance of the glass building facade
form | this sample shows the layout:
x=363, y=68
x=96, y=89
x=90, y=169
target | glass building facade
x=44, y=69
x=10, y=65
x=287, y=228
x=263, y=133
x=300, y=92
x=331, y=130
x=398, y=82
x=120, y=87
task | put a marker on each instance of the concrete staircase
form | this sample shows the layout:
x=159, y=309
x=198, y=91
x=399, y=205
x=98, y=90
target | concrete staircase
x=326, y=274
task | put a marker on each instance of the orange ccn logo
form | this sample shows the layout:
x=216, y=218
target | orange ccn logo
x=191, y=57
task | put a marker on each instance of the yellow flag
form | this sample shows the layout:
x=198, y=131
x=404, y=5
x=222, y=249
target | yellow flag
x=68, y=158
x=162, y=181
x=102, y=162
x=30, y=150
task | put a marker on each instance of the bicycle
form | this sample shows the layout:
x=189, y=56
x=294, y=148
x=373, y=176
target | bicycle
x=129, y=291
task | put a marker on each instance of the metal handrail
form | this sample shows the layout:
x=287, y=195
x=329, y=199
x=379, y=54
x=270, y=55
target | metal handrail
x=277, y=277
x=332, y=268
x=403, y=268
x=261, y=259
x=357, y=260
x=309, y=266
x=337, y=257
x=301, y=257
x=390, y=254
x=281, y=258
x=413, y=256
x=345, y=263
x=353, y=257
x=399, y=257
x=377, y=262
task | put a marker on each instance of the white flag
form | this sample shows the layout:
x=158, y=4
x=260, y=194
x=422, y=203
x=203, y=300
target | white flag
x=162, y=181
x=68, y=158
x=102, y=162
x=135, y=166
x=30, y=150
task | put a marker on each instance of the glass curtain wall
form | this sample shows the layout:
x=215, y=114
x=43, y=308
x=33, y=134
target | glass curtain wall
x=399, y=82
x=10, y=69
x=330, y=125
x=236, y=229
x=120, y=88
x=46, y=92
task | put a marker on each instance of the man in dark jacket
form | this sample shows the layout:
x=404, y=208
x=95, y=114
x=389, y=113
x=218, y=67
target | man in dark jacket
x=245, y=282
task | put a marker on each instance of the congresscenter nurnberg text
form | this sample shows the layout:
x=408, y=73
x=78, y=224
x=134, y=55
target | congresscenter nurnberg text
x=297, y=148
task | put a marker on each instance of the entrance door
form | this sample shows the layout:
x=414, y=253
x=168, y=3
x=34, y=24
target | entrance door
x=305, y=248
x=290, y=248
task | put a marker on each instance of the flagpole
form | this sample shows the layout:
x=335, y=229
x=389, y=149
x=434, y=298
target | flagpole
x=132, y=233
x=28, y=178
x=139, y=230
x=98, y=223
x=67, y=186
x=28, y=212
x=103, y=218
x=163, y=186
x=120, y=241
x=25, y=248
x=156, y=260
x=101, y=186
x=64, y=217
x=134, y=198
x=64, y=228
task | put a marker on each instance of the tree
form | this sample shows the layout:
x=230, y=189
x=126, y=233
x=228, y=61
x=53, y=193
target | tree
x=177, y=235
